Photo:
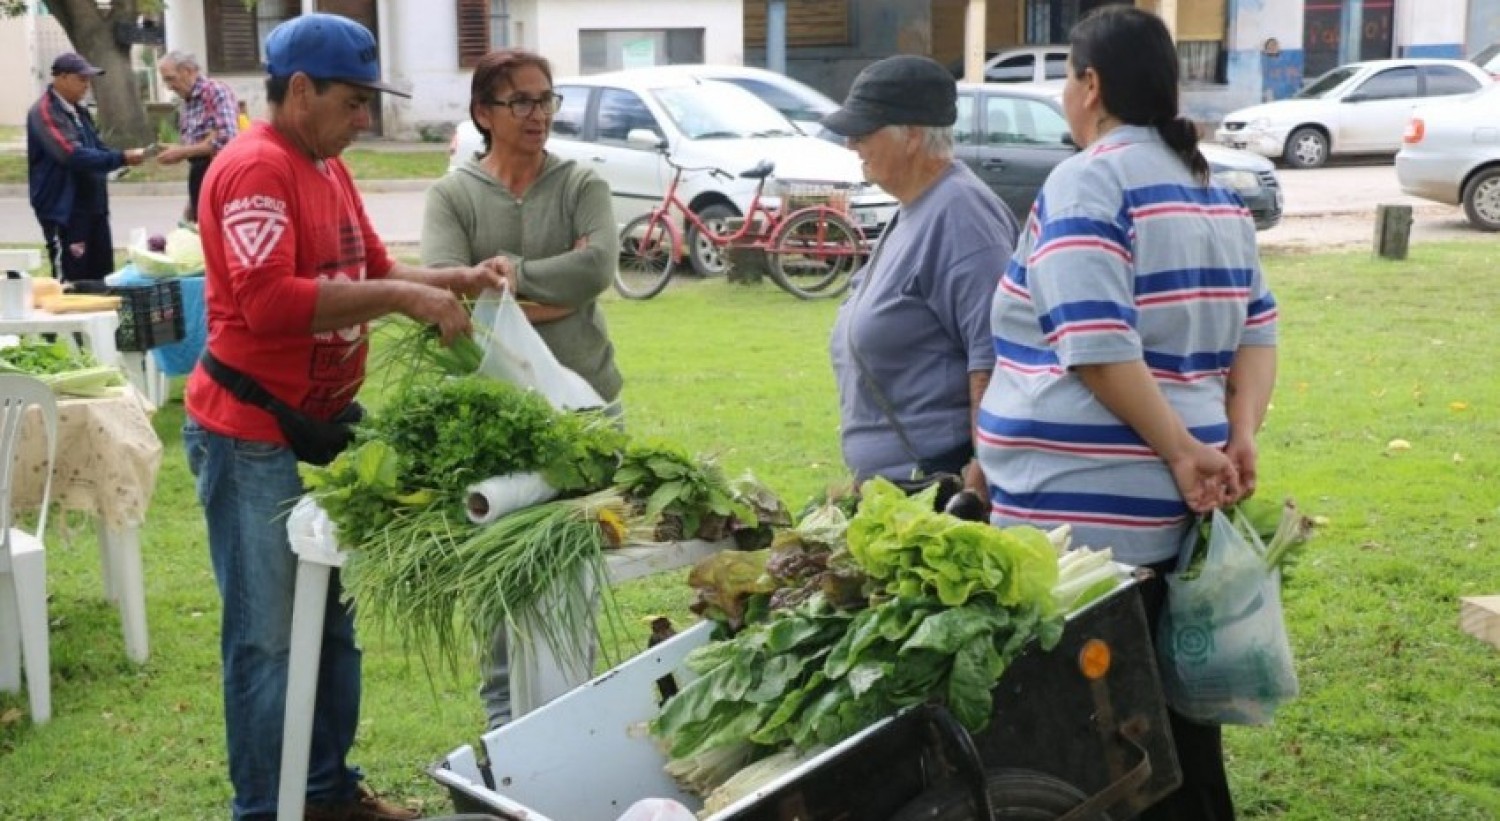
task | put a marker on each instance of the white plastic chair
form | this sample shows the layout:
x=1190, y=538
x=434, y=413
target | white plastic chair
x=23, y=560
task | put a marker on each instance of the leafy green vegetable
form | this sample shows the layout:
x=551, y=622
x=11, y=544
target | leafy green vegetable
x=670, y=484
x=915, y=552
x=39, y=357
x=592, y=447
x=961, y=601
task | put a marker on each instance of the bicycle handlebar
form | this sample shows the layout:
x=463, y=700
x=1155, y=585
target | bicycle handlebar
x=714, y=170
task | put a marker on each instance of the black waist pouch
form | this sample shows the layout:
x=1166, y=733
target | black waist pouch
x=313, y=440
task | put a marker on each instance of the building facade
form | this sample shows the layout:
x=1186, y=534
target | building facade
x=429, y=47
x=1233, y=52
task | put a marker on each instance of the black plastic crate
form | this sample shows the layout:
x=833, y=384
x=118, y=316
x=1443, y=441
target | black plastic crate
x=150, y=315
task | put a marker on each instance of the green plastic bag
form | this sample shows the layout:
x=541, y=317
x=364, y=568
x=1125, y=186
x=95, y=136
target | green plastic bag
x=1221, y=643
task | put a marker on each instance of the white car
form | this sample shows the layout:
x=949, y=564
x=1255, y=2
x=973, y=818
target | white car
x=1043, y=65
x=797, y=101
x=704, y=124
x=1359, y=108
x=1452, y=155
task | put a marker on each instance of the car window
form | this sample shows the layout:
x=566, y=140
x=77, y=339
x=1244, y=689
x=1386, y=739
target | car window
x=1443, y=80
x=794, y=107
x=1391, y=84
x=1040, y=124
x=568, y=121
x=1018, y=69
x=1328, y=82
x=963, y=127
x=715, y=110
x=620, y=112
x=1000, y=121
x=1057, y=66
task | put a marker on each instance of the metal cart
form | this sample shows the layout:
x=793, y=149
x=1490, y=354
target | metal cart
x=1079, y=732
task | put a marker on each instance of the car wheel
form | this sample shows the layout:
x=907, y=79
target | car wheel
x=707, y=258
x=1482, y=200
x=1306, y=148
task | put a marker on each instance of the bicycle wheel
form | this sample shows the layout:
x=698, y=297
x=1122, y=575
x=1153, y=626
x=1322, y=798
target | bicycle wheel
x=648, y=252
x=814, y=252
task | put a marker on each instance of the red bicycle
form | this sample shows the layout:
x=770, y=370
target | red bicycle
x=811, y=251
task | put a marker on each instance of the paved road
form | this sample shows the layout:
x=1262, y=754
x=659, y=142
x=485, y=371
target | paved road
x=1316, y=200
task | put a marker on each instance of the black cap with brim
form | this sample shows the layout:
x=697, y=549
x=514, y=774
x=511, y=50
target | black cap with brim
x=903, y=90
x=72, y=63
x=853, y=121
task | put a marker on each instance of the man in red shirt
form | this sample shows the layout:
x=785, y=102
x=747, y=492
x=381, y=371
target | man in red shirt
x=294, y=274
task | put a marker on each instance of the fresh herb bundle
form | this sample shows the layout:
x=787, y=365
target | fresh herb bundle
x=450, y=434
x=442, y=586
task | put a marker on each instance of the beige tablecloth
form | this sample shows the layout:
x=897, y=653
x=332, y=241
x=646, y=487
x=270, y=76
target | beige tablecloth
x=107, y=458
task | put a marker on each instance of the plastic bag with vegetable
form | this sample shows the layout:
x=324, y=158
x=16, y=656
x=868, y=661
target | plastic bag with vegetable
x=179, y=253
x=1222, y=642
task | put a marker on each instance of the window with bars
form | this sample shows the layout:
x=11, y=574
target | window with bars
x=482, y=28
x=1201, y=61
x=237, y=35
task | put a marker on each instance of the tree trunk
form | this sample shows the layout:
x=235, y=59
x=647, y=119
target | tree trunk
x=91, y=30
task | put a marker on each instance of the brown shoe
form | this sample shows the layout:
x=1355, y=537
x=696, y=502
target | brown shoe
x=365, y=806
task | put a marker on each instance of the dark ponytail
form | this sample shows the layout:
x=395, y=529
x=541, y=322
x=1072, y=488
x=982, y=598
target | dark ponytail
x=1181, y=135
x=1133, y=54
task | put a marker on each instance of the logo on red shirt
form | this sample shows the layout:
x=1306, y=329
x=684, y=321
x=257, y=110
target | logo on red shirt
x=254, y=233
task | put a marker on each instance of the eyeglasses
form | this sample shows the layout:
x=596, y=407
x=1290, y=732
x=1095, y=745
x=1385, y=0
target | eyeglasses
x=522, y=107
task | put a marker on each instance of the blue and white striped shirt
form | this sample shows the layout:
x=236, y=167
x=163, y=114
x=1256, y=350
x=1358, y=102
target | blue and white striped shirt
x=1124, y=257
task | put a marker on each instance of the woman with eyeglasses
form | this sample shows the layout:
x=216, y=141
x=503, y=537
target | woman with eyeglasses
x=549, y=222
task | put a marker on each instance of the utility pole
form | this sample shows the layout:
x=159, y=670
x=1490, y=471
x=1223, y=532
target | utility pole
x=776, y=35
x=974, y=44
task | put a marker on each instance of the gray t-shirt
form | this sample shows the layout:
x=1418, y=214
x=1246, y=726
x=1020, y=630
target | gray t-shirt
x=920, y=324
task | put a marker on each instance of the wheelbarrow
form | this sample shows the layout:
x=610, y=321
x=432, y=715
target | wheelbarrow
x=1077, y=732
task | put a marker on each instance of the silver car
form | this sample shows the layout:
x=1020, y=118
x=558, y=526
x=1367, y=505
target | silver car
x=1357, y=108
x=1451, y=154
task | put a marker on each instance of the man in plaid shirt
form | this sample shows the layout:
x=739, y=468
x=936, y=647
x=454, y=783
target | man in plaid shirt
x=207, y=121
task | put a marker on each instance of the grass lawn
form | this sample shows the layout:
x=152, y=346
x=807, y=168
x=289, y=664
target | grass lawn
x=365, y=163
x=1397, y=720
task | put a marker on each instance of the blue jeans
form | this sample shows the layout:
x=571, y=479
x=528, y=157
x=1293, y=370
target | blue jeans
x=246, y=489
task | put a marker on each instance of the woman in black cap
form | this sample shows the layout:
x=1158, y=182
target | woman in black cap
x=911, y=346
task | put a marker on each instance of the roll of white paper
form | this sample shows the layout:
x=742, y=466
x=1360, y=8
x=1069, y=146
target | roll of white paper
x=498, y=495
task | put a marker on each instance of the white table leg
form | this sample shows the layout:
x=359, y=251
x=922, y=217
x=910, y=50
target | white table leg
x=127, y=581
x=540, y=672
x=101, y=334
x=310, y=599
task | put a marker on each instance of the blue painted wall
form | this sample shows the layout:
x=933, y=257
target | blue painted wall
x=1445, y=51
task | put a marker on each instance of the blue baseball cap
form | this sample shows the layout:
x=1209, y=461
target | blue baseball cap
x=326, y=47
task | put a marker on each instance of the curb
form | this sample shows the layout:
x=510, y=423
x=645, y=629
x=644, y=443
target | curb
x=179, y=189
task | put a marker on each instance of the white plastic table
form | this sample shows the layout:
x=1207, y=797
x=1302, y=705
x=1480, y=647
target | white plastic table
x=536, y=677
x=96, y=328
x=107, y=462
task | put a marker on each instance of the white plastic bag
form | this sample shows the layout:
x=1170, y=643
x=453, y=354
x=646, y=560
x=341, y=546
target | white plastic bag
x=515, y=352
x=1222, y=643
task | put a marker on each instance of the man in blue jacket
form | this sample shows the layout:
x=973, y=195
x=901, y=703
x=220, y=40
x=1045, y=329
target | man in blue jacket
x=67, y=164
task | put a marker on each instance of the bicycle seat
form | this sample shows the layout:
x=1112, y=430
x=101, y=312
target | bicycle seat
x=761, y=170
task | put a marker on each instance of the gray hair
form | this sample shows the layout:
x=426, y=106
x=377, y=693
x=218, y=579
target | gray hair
x=182, y=59
x=937, y=141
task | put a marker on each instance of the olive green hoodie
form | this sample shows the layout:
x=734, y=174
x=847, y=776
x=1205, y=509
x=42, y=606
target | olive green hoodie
x=471, y=217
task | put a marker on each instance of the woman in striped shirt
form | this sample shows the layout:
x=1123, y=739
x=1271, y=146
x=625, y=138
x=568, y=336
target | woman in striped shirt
x=1134, y=339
